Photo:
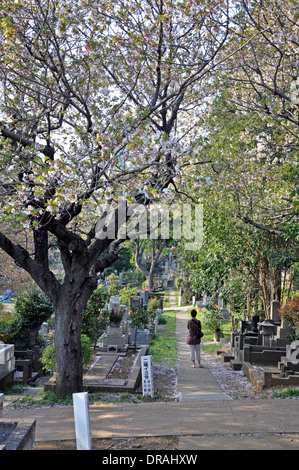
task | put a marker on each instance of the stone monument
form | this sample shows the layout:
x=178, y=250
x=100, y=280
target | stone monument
x=116, y=337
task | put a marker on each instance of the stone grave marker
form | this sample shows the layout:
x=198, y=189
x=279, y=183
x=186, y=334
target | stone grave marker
x=295, y=352
x=135, y=302
x=274, y=313
x=144, y=297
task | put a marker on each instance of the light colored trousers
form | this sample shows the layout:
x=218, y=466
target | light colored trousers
x=194, y=352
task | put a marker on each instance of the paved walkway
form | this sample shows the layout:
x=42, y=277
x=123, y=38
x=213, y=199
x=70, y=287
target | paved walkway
x=193, y=384
x=204, y=418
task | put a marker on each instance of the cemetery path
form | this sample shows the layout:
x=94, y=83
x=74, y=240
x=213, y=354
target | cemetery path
x=204, y=418
x=194, y=384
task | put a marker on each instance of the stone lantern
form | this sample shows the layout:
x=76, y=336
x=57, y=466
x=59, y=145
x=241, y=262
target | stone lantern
x=267, y=329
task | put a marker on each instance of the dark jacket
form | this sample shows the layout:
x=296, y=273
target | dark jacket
x=193, y=326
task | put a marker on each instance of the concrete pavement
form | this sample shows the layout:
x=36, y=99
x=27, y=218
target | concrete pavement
x=193, y=384
x=204, y=418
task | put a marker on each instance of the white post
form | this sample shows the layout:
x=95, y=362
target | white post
x=80, y=401
x=1, y=403
x=147, y=376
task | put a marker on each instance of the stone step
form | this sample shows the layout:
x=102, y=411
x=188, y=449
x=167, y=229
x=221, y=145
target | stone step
x=227, y=357
x=236, y=365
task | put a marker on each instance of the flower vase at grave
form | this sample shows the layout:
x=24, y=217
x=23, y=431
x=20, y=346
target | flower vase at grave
x=115, y=318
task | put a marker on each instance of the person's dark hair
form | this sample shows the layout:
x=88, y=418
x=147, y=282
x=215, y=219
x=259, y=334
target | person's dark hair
x=193, y=313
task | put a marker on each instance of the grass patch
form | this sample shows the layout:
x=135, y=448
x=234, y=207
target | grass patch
x=163, y=347
x=288, y=393
x=99, y=398
x=16, y=389
x=42, y=399
x=226, y=326
x=209, y=348
x=207, y=344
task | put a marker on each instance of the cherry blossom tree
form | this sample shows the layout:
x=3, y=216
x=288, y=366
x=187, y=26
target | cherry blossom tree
x=99, y=101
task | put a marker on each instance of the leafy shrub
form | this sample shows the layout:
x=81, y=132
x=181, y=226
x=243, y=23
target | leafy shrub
x=125, y=293
x=32, y=308
x=162, y=321
x=152, y=306
x=114, y=286
x=48, y=357
x=213, y=319
x=86, y=349
x=139, y=317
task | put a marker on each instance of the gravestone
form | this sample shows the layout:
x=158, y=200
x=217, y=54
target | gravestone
x=114, y=304
x=254, y=323
x=124, y=312
x=274, y=313
x=267, y=330
x=156, y=322
x=135, y=302
x=115, y=339
x=144, y=296
x=7, y=365
x=295, y=356
x=44, y=329
x=165, y=280
x=139, y=336
x=292, y=352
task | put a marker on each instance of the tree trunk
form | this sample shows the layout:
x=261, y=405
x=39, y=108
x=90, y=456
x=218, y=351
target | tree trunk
x=67, y=338
x=275, y=283
x=264, y=285
x=68, y=352
x=81, y=264
x=150, y=278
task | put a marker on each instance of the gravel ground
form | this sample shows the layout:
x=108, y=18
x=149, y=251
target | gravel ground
x=233, y=382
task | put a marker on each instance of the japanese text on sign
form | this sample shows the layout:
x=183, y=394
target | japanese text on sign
x=147, y=376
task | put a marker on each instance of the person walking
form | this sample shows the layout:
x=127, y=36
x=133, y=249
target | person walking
x=193, y=340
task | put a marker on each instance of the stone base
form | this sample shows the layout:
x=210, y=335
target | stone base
x=236, y=365
x=7, y=381
x=17, y=435
x=113, y=348
x=115, y=340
